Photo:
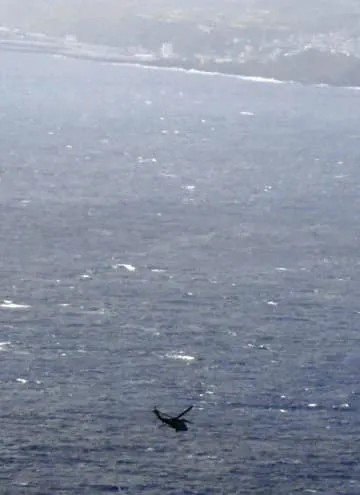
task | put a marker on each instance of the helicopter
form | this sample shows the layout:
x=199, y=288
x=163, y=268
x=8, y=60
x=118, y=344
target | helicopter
x=176, y=422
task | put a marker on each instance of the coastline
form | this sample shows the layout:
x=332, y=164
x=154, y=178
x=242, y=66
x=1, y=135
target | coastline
x=311, y=67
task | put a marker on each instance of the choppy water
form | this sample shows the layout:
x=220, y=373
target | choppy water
x=171, y=239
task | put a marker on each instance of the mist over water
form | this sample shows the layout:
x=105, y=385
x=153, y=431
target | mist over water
x=170, y=239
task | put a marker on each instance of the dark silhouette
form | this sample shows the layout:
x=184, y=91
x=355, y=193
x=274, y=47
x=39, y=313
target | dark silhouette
x=175, y=422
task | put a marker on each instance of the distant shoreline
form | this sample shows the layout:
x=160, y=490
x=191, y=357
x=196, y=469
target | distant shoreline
x=334, y=69
x=277, y=72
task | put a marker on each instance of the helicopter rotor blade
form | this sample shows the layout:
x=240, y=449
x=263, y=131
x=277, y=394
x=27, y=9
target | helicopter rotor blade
x=184, y=412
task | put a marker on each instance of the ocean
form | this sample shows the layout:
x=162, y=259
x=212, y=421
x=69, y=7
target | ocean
x=172, y=239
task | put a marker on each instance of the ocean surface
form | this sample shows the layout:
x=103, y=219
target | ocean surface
x=168, y=239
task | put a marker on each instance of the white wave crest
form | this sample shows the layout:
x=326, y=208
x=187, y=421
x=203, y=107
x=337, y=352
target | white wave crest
x=9, y=304
x=128, y=267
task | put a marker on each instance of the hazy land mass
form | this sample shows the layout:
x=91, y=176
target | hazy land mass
x=310, y=41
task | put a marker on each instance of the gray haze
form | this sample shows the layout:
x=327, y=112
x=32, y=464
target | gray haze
x=309, y=41
x=64, y=16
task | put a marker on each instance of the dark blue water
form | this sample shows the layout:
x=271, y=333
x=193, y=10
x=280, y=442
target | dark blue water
x=172, y=239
